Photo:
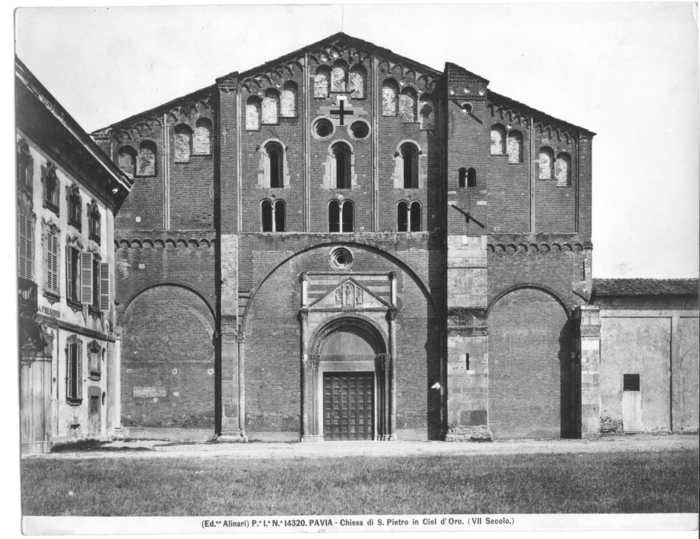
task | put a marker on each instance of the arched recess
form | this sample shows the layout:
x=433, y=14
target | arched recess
x=168, y=360
x=273, y=322
x=530, y=377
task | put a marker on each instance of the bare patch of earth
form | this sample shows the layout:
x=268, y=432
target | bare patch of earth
x=168, y=449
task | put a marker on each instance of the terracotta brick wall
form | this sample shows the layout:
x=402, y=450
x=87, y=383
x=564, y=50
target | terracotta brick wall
x=168, y=361
x=529, y=366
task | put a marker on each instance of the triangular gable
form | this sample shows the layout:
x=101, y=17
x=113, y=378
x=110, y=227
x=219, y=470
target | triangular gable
x=349, y=294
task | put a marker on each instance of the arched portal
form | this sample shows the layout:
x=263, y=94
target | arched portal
x=529, y=366
x=348, y=384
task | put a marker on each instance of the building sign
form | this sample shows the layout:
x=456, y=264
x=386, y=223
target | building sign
x=53, y=313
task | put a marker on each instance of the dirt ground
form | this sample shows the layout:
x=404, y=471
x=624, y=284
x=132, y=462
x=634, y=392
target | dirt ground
x=256, y=450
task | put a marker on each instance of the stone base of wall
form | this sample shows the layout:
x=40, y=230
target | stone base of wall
x=175, y=435
x=480, y=433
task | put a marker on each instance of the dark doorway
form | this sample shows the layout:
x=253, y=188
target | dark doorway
x=348, y=406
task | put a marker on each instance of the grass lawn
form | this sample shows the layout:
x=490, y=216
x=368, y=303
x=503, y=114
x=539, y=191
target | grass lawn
x=647, y=482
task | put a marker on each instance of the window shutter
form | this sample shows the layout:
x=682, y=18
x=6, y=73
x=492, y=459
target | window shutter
x=69, y=372
x=69, y=273
x=86, y=278
x=79, y=370
x=104, y=287
x=26, y=248
x=52, y=263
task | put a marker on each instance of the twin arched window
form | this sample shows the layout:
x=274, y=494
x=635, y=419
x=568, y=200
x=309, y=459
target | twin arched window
x=273, y=216
x=188, y=142
x=559, y=169
x=409, y=216
x=507, y=143
x=341, y=216
x=467, y=177
x=409, y=156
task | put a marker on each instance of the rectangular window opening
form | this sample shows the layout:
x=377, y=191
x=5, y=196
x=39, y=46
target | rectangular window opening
x=630, y=382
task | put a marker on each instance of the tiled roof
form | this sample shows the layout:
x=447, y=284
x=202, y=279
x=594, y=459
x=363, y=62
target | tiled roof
x=645, y=287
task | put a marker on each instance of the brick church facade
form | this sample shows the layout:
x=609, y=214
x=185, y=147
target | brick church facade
x=343, y=243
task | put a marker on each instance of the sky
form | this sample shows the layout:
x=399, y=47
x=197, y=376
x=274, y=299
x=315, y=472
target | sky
x=628, y=72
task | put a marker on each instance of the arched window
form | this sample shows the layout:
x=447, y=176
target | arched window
x=498, y=140
x=252, y=113
x=562, y=169
x=273, y=216
x=127, y=160
x=414, y=212
x=408, y=102
x=546, y=159
x=183, y=143
x=334, y=216
x=427, y=113
x=348, y=215
x=146, y=163
x=289, y=100
x=409, y=216
x=341, y=216
x=279, y=216
x=339, y=76
x=515, y=147
x=358, y=78
x=275, y=165
x=402, y=217
x=462, y=177
x=322, y=81
x=390, y=97
x=202, y=137
x=471, y=177
x=342, y=160
x=267, y=221
x=271, y=107
x=409, y=155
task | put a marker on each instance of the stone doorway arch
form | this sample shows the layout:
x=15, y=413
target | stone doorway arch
x=348, y=364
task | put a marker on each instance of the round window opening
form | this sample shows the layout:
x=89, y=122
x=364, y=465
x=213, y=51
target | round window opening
x=359, y=130
x=323, y=128
x=341, y=258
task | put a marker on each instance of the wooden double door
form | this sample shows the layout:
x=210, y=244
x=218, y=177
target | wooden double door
x=348, y=406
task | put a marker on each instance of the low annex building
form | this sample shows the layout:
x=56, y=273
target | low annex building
x=67, y=194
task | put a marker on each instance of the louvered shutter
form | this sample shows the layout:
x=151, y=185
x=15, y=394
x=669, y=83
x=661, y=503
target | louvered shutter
x=52, y=263
x=104, y=287
x=69, y=372
x=79, y=370
x=86, y=278
x=69, y=273
x=26, y=248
